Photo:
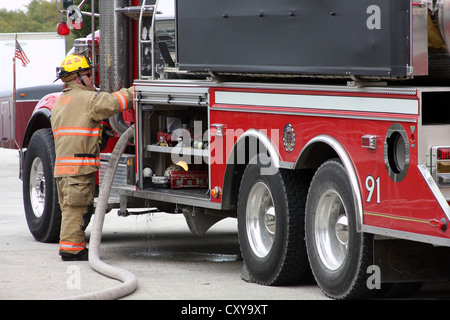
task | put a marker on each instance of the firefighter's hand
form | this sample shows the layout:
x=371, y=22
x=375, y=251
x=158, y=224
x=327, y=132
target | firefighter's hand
x=106, y=132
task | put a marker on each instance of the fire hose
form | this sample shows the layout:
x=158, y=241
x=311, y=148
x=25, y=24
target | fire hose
x=128, y=279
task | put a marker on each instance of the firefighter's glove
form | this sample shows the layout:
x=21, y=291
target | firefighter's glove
x=106, y=132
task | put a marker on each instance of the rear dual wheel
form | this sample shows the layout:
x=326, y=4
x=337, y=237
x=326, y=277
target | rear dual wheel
x=271, y=224
x=339, y=255
x=271, y=211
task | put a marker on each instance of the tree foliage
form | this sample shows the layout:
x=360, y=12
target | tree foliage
x=42, y=16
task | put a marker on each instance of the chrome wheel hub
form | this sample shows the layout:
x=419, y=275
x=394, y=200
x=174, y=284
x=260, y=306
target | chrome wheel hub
x=37, y=187
x=260, y=219
x=331, y=230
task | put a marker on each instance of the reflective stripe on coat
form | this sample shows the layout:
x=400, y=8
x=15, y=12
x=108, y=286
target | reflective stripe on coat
x=75, y=123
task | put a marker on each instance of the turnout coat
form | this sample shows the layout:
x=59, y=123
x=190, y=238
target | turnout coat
x=75, y=123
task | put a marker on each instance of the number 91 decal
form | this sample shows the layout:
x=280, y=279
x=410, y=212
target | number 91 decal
x=373, y=187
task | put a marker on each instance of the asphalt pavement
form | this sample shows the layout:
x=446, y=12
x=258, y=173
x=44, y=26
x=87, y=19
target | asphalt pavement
x=169, y=262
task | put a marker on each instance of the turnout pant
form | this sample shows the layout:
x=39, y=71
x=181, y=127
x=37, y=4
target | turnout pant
x=76, y=198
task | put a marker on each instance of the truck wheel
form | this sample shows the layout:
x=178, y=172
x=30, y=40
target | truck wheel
x=271, y=225
x=339, y=255
x=40, y=195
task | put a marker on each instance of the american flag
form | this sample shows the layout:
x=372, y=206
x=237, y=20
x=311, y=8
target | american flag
x=20, y=54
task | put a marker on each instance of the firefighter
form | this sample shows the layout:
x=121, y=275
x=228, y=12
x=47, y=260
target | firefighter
x=75, y=121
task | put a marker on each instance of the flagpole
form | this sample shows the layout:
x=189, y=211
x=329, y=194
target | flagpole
x=14, y=91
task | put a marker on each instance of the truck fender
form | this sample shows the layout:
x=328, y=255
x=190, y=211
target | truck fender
x=41, y=116
x=263, y=140
x=39, y=120
x=346, y=161
x=235, y=164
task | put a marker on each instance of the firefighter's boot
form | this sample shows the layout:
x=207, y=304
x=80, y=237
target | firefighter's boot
x=82, y=255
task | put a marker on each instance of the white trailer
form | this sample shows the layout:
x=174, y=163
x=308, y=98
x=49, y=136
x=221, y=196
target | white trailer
x=45, y=50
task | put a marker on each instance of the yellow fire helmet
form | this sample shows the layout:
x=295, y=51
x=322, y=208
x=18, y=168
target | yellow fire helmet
x=72, y=64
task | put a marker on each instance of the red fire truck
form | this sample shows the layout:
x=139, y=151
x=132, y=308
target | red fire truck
x=323, y=127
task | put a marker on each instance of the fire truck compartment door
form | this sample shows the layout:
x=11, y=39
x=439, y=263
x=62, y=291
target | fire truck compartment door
x=326, y=37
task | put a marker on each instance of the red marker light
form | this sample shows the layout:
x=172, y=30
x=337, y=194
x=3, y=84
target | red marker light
x=63, y=29
x=442, y=224
x=443, y=153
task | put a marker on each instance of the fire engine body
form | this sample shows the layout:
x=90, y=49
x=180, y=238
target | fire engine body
x=344, y=146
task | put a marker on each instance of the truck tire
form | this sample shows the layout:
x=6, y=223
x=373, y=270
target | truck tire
x=339, y=255
x=271, y=225
x=40, y=195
